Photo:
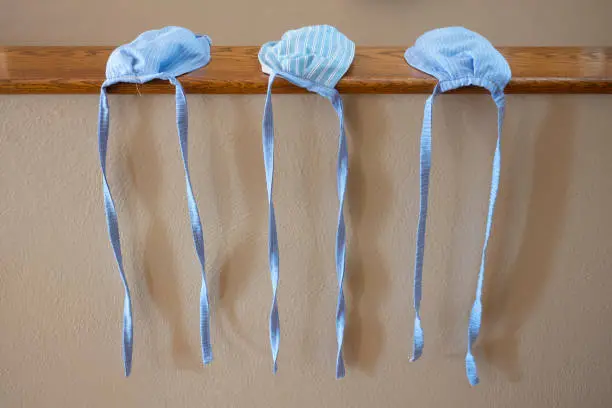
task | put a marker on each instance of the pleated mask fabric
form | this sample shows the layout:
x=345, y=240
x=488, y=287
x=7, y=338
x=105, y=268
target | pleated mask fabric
x=314, y=58
x=457, y=57
x=157, y=54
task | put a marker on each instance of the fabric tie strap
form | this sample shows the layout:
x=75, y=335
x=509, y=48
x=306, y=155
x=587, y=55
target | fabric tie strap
x=113, y=232
x=113, y=227
x=342, y=172
x=476, y=312
x=425, y=167
x=268, y=152
x=182, y=121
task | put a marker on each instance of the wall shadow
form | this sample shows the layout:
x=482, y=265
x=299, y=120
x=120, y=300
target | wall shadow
x=159, y=262
x=452, y=111
x=317, y=267
x=236, y=268
x=367, y=274
x=512, y=292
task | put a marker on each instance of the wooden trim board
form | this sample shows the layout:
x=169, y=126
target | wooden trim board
x=236, y=70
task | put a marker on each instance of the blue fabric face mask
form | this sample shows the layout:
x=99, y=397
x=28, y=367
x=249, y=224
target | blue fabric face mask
x=457, y=57
x=314, y=58
x=157, y=54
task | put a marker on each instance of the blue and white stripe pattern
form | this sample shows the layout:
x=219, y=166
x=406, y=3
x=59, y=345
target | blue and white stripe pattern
x=314, y=58
x=457, y=57
x=157, y=54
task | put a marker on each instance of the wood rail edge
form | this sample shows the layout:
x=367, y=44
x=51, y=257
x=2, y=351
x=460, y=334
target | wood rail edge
x=236, y=70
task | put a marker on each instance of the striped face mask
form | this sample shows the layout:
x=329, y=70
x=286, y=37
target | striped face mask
x=457, y=57
x=314, y=58
x=158, y=54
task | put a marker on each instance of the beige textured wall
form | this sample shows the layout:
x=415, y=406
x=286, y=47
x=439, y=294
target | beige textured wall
x=547, y=338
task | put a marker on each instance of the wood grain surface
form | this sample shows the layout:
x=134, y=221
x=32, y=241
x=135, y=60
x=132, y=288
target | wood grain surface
x=236, y=70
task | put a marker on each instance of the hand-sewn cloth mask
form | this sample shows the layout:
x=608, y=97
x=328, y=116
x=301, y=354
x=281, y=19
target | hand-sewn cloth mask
x=314, y=58
x=157, y=54
x=457, y=57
